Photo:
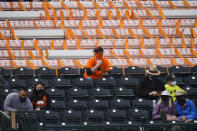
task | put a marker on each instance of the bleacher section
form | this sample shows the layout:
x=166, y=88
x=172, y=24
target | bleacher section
x=52, y=41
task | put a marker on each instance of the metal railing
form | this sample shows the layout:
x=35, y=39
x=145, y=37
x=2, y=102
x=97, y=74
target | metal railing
x=5, y=121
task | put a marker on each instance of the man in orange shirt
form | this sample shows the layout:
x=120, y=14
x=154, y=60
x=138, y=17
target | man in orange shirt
x=97, y=66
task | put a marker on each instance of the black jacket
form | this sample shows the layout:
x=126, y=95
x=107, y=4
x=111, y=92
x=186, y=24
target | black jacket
x=146, y=86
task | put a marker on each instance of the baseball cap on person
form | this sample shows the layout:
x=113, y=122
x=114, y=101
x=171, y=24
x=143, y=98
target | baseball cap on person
x=165, y=93
x=170, y=78
x=153, y=70
x=179, y=93
x=98, y=49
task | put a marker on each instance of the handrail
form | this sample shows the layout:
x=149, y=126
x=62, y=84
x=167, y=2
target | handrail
x=5, y=121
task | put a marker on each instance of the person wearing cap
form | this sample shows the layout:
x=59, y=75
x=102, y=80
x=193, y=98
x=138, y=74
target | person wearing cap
x=164, y=110
x=185, y=108
x=97, y=66
x=151, y=85
x=172, y=87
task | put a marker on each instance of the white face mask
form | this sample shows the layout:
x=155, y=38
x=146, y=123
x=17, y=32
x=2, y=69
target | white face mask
x=173, y=83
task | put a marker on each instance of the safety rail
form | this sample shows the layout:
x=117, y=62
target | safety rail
x=5, y=121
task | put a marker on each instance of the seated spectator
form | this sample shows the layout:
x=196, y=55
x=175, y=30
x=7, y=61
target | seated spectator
x=17, y=101
x=185, y=108
x=97, y=66
x=39, y=98
x=172, y=87
x=164, y=110
x=151, y=86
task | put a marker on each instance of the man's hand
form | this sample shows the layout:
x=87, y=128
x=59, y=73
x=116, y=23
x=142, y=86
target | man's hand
x=99, y=62
x=153, y=93
x=105, y=74
x=183, y=118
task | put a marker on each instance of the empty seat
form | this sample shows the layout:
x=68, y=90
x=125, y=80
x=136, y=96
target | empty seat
x=94, y=115
x=99, y=104
x=59, y=82
x=5, y=72
x=125, y=92
x=192, y=80
x=193, y=69
x=68, y=72
x=121, y=104
x=22, y=72
x=72, y=116
x=32, y=81
x=107, y=82
x=77, y=104
x=142, y=103
x=100, y=92
x=178, y=69
x=134, y=70
x=76, y=92
x=51, y=116
x=58, y=105
x=116, y=115
x=17, y=83
x=82, y=82
x=128, y=82
x=45, y=72
x=116, y=72
x=56, y=93
x=137, y=114
x=191, y=91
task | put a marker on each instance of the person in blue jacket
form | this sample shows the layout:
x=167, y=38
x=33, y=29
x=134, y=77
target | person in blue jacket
x=185, y=108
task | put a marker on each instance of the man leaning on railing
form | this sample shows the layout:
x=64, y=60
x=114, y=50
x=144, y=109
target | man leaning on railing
x=17, y=101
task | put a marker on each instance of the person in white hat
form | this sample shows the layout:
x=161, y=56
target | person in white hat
x=151, y=86
x=164, y=110
x=186, y=110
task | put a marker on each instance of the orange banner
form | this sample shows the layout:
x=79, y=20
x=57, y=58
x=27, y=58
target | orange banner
x=173, y=61
x=171, y=4
x=112, y=5
x=64, y=43
x=52, y=45
x=160, y=10
x=36, y=45
x=11, y=30
x=126, y=45
x=22, y=45
x=31, y=54
x=98, y=17
x=2, y=36
x=60, y=63
x=187, y=4
x=30, y=5
x=30, y=64
x=147, y=33
x=100, y=34
x=116, y=34
x=36, y=25
x=80, y=24
x=12, y=63
x=118, y=14
x=96, y=5
x=11, y=5
x=141, y=53
x=100, y=25
x=64, y=5
x=125, y=4
x=159, y=53
x=157, y=42
x=45, y=7
x=121, y=24
x=193, y=52
x=62, y=19
x=148, y=61
x=193, y=33
x=78, y=44
x=109, y=15
x=77, y=63
x=192, y=42
x=142, y=43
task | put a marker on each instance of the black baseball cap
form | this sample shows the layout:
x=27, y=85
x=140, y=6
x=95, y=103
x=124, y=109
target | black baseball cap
x=170, y=78
x=98, y=49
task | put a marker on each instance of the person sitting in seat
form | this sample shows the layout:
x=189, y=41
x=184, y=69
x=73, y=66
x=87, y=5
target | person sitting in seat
x=17, y=101
x=172, y=87
x=185, y=108
x=151, y=86
x=164, y=110
x=39, y=98
x=97, y=66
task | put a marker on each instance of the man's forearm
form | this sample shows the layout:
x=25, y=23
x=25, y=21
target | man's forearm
x=93, y=69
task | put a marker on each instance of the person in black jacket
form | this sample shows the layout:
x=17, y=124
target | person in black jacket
x=39, y=98
x=151, y=86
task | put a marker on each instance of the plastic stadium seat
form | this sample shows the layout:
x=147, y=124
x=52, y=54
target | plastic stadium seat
x=116, y=72
x=76, y=92
x=100, y=92
x=77, y=104
x=106, y=82
x=59, y=82
x=5, y=72
x=116, y=115
x=134, y=70
x=83, y=82
x=192, y=80
x=94, y=115
x=32, y=81
x=178, y=69
x=191, y=91
x=122, y=104
x=45, y=72
x=193, y=69
x=56, y=93
x=142, y=103
x=99, y=104
x=137, y=114
x=57, y=105
x=125, y=92
x=52, y=117
x=23, y=72
x=128, y=81
x=68, y=72
x=17, y=83
x=73, y=116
